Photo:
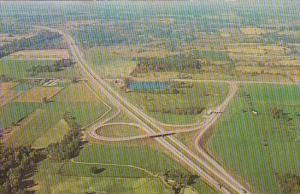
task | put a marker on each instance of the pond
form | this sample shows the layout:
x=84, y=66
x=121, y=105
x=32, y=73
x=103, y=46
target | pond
x=148, y=85
x=22, y=87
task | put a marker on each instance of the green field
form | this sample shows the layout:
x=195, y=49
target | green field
x=207, y=95
x=53, y=135
x=85, y=107
x=85, y=113
x=121, y=117
x=19, y=69
x=72, y=177
x=121, y=130
x=50, y=180
x=258, y=146
x=107, y=64
x=13, y=112
x=141, y=156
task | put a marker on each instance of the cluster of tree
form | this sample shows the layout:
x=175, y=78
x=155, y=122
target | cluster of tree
x=40, y=40
x=159, y=91
x=70, y=145
x=5, y=78
x=96, y=170
x=192, y=110
x=57, y=66
x=181, y=84
x=276, y=112
x=289, y=183
x=17, y=164
x=178, y=179
x=180, y=63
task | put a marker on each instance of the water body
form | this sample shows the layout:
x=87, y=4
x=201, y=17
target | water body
x=148, y=85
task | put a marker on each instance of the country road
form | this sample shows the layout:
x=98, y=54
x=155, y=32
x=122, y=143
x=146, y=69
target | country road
x=215, y=176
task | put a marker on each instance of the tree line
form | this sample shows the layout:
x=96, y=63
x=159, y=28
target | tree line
x=17, y=164
x=190, y=110
x=55, y=67
x=70, y=145
x=5, y=78
x=178, y=180
x=289, y=183
x=179, y=62
x=38, y=41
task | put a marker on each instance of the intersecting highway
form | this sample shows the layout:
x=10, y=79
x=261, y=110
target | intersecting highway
x=208, y=169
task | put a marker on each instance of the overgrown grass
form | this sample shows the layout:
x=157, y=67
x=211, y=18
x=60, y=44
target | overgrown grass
x=207, y=95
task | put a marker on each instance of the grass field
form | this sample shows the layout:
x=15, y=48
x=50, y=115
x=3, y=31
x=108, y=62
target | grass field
x=142, y=156
x=253, y=31
x=50, y=180
x=120, y=131
x=53, y=135
x=85, y=113
x=257, y=147
x=52, y=54
x=257, y=49
x=122, y=117
x=207, y=95
x=109, y=64
x=19, y=69
x=37, y=94
x=76, y=99
x=6, y=96
x=72, y=177
x=7, y=85
x=77, y=92
x=13, y=112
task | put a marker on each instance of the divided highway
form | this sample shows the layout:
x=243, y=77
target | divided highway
x=206, y=168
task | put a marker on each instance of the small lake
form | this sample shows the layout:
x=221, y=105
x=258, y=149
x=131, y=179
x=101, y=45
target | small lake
x=148, y=85
x=22, y=87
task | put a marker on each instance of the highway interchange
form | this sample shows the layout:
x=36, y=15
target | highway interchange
x=201, y=162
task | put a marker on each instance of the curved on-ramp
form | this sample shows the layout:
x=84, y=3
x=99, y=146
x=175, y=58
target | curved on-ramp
x=211, y=174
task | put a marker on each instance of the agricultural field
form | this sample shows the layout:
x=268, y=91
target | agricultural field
x=7, y=85
x=30, y=117
x=21, y=68
x=225, y=73
x=50, y=54
x=38, y=94
x=10, y=37
x=74, y=93
x=275, y=138
x=253, y=31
